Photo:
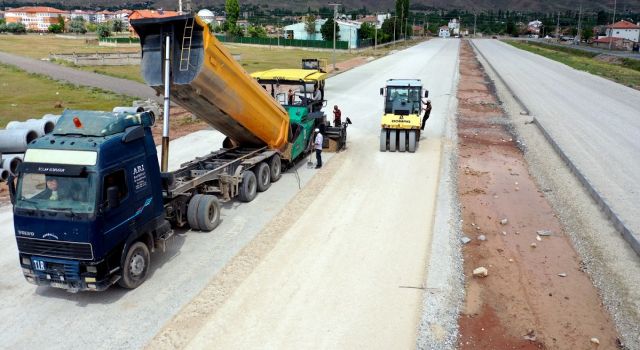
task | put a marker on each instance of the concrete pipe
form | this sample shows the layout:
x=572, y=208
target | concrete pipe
x=4, y=175
x=16, y=140
x=53, y=117
x=41, y=126
x=10, y=162
x=128, y=109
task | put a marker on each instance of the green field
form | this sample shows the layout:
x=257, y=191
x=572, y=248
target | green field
x=39, y=46
x=28, y=95
x=627, y=72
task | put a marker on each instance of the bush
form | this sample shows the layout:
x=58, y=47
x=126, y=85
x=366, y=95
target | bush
x=103, y=30
x=16, y=28
x=55, y=28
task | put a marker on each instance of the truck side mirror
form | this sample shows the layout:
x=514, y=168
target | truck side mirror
x=381, y=91
x=426, y=93
x=11, y=183
x=113, y=197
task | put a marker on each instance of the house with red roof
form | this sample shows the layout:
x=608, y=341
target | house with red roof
x=34, y=18
x=624, y=30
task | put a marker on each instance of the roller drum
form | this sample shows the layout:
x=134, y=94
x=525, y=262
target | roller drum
x=41, y=126
x=131, y=110
x=10, y=162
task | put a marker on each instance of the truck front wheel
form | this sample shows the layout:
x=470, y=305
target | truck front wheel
x=208, y=213
x=135, y=266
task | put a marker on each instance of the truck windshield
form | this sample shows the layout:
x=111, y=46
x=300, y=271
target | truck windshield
x=56, y=193
x=402, y=100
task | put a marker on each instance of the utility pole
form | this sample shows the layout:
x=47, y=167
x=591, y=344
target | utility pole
x=375, y=40
x=475, y=21
x=394, y=30
x=615, y=3
x=579, y=34
x=335, y=18
x=558, y=28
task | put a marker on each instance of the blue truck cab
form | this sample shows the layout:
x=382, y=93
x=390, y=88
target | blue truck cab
x=88, y=202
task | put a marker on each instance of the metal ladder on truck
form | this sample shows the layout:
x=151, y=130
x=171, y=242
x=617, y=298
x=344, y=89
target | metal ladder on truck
x=185, y=51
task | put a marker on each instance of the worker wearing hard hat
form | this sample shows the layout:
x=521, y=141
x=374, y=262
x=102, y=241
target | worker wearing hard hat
x=318, y=147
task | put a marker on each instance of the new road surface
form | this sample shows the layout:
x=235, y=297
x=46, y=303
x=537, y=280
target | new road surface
x=348, y=272
x=594, y=122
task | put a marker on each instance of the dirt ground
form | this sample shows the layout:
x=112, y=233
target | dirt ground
x=537, y=294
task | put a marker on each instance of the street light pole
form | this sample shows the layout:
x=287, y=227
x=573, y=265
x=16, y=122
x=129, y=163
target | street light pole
x=335, y=17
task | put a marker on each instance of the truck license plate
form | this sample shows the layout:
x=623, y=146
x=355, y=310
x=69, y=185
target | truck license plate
x=39, y=265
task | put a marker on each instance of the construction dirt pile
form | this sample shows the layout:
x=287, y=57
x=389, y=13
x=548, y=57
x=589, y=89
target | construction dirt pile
x=525, y=285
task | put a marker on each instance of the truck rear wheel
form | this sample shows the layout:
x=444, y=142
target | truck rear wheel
x=275, y=164
x=412, y=141
x=263, y=173
x=192, y=212
x=402, y=140
x=248, y=187
x=383, y=140
x=135, y=266
x=208, y=212
x=392, y=140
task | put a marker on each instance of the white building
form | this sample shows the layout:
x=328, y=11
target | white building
x=34, y=18
x=104, y=16
x=348, y=31
x=454, y=27
x=206, y=15
x=624, y=30
x=444, y=32
x=89, y=16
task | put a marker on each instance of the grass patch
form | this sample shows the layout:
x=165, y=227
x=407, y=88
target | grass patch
x=39, y=46
x=26, y=95
x=626, y=75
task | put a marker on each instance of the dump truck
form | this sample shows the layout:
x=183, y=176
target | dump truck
x=401, y=120
x=91, y=202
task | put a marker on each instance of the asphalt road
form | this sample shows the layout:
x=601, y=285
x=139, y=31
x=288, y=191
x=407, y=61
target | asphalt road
x=349, y=272
x=594, y=121
x=79, y=77
x=381, y=207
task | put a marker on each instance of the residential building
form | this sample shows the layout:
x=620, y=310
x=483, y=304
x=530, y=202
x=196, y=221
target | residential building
x=348, y=31
x=454, y=27
x=418, y=30
x=34, y=18
x=624, y=30
x=88, y=16
x=444, y=32
x=616, y=43
x=123, y=15
x=104, y=16
x=534, y=27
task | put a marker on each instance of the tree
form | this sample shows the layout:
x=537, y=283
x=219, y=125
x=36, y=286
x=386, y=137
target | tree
x=402, y=12
x=117, y=26
x=91, y=27
x=587, y=33
x=366, y=31
x=103, y=30
x=16, y=28
x=310, y=25
x=77, y=26
x=232, y=7
x=388, y=27
x=327, y=30
x=55, y=28
x=257, y=32
x=511, y=28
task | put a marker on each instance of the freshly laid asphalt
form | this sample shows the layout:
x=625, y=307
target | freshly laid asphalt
x=593, y=121
x=79, y=77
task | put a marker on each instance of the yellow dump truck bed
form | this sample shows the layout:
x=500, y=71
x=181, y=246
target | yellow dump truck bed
x=208, y=82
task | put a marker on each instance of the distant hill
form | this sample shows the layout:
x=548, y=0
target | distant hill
x=374, y=5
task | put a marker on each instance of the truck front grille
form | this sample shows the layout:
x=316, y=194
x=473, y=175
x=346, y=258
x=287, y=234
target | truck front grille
x=55, y=249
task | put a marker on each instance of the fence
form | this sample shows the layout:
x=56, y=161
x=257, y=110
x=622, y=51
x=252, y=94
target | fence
x=120, y=40
x=319, y=44
x=98, y=58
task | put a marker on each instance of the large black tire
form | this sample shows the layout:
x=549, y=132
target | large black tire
x=412, y=140
x=263, y=174
x=192, y=212
x=208, y=213
x=248, y=187
x=383, y=140
x=275, y=164
x=402, y=140
x=393, y=142
x=135, y=266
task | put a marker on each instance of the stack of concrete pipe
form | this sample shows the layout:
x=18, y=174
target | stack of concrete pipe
x=15, y=138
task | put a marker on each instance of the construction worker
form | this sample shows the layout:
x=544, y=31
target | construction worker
x=427, y=111
x=318, y=147
x=337, y=116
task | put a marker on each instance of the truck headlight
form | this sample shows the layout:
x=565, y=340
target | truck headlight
x=92, y=269
x=90, y=279
x=26, y=261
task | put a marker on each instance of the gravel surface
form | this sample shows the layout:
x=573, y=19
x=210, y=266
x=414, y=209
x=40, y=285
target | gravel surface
x=349, y=271
x=593, y=121
x=80, y=77
x=611, y=263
